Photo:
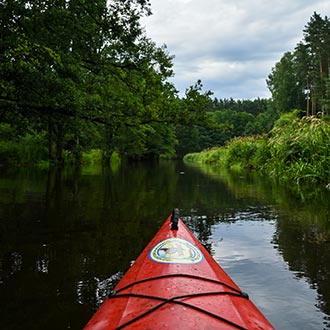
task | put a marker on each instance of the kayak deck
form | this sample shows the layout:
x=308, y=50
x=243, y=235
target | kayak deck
x=176, y=284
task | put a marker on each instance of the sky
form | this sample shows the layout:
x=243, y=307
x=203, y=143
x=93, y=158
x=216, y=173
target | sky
x=230, y=45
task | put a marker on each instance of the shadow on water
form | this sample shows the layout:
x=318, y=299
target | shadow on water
x=67, y=236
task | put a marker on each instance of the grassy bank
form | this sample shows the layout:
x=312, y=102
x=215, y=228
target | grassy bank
x=28, y=149
x=296, y=149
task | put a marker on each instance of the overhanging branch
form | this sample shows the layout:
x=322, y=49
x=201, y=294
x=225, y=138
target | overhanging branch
x=43, y=110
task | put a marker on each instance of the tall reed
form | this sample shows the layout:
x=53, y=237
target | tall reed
x=296, y=149
x=299, y=150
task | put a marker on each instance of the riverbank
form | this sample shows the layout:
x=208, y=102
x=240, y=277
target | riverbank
x=295, y=150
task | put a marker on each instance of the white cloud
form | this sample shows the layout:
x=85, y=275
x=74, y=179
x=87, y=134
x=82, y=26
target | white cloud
x=231, y=45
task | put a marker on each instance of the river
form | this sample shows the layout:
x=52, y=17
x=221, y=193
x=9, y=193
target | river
x=67, y=236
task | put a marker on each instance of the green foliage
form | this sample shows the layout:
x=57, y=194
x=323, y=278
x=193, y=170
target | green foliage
x=30, y=148
x=82, y=72
x=93, y=156
x=211, y=156
x=246, y=152
x=33, y=147
x=162, y=141
x=194, y=104
x=297, y=150
x=287, y=93
x=189, y=139
x=238, y=119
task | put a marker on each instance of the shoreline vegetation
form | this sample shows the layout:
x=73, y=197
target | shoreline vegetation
x=296, y=150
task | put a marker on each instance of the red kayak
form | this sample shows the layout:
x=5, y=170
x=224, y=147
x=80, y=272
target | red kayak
x=176, y=284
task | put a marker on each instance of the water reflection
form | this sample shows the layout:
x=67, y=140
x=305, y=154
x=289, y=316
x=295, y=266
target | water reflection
x=63, y=233
x=305, y=246
x=200, y=227
x=66, y=237
x=260, y=270
x=301, y=237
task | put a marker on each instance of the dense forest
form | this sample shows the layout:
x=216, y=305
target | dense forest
x=80, y=80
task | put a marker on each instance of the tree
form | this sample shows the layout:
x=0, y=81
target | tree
x=284, y=84
x=192, y=116
x=67, y=63
x=317, y=39
x=303, y=67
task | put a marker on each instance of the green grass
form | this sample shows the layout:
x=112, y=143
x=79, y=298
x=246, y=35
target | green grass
x=238, y=154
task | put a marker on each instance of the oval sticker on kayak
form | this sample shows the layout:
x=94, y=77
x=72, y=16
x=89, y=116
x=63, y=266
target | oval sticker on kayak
x=176, y=250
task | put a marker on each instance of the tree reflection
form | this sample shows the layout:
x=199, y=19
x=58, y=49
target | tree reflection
x=201, y=228
x=304, y=244
x=303, y=230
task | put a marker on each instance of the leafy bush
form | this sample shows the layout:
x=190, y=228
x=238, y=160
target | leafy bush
x=245, y=153
x=93, y=156
x=300, y=150
x=28, y=149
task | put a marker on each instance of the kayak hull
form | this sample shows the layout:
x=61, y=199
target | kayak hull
x=176, y=284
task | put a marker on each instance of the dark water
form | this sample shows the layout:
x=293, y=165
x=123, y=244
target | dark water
x=67, y=236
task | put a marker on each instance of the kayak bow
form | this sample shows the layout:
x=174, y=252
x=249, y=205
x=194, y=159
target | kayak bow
x=176, y=284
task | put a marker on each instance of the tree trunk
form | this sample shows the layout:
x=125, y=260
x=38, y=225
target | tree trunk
x=110, y=131
x=108, y=148
x=59, y=143
x=322, y=83
x=51, y=151
x=308, y=97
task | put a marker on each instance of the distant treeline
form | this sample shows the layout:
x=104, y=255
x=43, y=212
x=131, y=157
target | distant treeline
x=227, y=119
x=81, y=80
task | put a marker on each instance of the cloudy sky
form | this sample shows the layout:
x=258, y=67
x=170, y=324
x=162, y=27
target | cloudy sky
x=231, y=45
